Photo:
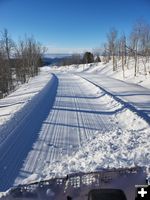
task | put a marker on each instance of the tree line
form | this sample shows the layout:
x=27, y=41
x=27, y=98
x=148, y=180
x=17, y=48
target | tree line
x=135, y=46
x=120, y=49
x=18, y=61
x=87, y=57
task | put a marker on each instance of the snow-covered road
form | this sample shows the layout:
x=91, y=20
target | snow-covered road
x=135, y=97
x=50, y=134
x=70, y=114
x=76, y=114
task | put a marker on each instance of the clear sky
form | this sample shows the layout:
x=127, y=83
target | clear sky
x=70, y=25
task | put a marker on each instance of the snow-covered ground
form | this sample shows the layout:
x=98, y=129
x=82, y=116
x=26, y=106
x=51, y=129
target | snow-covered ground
x=106, y=69
x=121, y=142
x=72, y=125
x=14, y=102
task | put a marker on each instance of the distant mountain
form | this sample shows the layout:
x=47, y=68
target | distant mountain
x=59, y=55
x=52, y=59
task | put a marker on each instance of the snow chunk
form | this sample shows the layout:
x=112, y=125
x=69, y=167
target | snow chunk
x=113, y=149
x=32, y=178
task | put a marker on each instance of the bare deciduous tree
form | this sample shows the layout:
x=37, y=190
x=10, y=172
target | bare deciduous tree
x=7, y=47
x=122, y=52
x=112, y=45
x=19, y=61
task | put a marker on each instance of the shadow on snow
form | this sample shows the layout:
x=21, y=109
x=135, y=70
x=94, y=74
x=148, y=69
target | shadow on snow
x=14, y=152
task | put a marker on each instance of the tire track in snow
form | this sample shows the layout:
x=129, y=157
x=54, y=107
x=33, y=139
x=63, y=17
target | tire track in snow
x=75, y=116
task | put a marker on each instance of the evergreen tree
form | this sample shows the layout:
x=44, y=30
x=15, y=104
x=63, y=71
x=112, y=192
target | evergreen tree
x=88, y=58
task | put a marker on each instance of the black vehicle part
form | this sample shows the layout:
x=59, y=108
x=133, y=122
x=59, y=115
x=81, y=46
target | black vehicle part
x=77, y=186
x=106, y=194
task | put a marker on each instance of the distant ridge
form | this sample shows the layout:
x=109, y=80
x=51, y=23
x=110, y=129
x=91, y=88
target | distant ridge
x=52, y=59
x=59, y=55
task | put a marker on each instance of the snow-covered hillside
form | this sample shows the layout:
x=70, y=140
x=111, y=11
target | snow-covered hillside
x=106, y=69
x=10, y=105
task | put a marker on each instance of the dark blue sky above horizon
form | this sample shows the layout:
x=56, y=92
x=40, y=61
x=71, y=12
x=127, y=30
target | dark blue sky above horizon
x=70, y=25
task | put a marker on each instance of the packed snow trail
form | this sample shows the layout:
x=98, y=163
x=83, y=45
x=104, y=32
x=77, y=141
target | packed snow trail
x=71, y=112
x=135, y=97
x=76, y=114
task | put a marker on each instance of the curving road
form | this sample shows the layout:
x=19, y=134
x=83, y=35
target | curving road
x=69, y=113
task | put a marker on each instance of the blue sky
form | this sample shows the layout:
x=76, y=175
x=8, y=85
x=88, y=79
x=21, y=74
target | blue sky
x=70, y=25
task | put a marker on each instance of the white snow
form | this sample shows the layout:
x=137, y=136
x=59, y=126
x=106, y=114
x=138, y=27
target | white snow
x=73, y=125
x=11, y=104
x=106, y=69
x=127, y=146
x=30, y=179
x=131, y=95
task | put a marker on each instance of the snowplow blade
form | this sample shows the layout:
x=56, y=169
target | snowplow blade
x=82, y=186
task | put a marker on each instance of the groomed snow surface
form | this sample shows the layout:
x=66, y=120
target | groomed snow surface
x=106, y=70
x=123, y=141
x=68, y=126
